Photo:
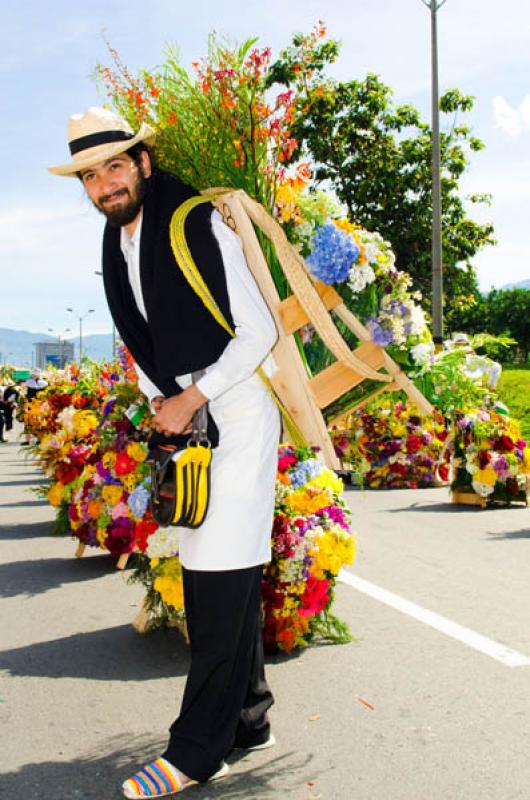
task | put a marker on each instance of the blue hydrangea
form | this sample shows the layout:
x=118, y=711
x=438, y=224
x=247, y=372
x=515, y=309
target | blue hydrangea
x=138, y=500
x=333, y=254
x=304, y=472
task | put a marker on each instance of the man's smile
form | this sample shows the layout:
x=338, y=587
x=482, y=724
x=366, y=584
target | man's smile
x=115, y=197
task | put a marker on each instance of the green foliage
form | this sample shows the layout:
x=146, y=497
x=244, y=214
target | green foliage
x=377, y=157
x=503, y=312
x=514, y=390
x=446, y=385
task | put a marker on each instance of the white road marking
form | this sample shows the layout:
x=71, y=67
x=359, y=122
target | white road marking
x=506, y=656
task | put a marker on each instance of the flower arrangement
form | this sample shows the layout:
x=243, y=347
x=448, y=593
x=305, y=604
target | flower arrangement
x=108, y=502
x=311, y=541
x=490, y=457
x=359, y=263
x=401, y=449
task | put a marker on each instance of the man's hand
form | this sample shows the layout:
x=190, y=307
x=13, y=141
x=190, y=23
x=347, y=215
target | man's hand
x=175, y=413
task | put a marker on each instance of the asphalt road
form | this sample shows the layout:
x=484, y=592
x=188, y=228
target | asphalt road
x=403, y=713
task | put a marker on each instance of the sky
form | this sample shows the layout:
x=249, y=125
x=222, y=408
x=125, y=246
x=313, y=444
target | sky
x=50, y=236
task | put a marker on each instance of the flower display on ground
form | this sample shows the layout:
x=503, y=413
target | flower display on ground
x=490, y=456
x=401, y=449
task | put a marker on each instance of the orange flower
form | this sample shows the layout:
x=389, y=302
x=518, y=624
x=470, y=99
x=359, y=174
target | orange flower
x=94, y=509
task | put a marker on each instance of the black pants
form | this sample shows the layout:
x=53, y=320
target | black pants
x=8, y=414
x=226, y=697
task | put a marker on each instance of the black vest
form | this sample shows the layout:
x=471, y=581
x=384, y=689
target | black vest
x=180, y=335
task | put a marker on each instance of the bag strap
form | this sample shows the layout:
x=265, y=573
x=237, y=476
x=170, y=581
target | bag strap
x=190, y=271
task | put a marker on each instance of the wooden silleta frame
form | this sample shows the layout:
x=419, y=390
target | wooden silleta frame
x=305, y=396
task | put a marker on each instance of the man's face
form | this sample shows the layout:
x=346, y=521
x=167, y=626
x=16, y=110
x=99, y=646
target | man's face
x=117, y=187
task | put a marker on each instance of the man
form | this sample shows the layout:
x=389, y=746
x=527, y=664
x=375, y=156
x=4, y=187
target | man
x=171, y=335
x=10, y=403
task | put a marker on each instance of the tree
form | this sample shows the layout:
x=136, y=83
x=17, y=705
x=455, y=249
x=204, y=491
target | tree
x=377, y=157
x=508, y=312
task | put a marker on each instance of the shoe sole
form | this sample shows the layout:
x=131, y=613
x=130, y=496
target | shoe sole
x=221, y=773
x=271, y=741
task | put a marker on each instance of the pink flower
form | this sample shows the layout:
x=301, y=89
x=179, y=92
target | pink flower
x=120, y=510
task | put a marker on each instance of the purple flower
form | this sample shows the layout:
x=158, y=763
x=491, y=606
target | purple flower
x=380, y=335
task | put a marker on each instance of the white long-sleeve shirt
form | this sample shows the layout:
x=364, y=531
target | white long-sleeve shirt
x=254, y=327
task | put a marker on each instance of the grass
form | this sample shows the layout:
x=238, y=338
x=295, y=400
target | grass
x=514, y=390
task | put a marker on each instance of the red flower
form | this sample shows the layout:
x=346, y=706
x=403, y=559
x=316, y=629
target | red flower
x=414, y=443
x=443, y=471
x=399, y=469
x=484, y=458
x=285, y=462
x=315, y=598
x=124, y=464
x=66, y=473
x=503, y=444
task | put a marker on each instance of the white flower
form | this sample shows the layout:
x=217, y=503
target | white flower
x=66, y=419
x=483, y=489
x=164, y=543
x=422, y=352
x=360, y=275
x=417, y=319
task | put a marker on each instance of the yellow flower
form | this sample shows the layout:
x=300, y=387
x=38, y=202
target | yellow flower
x=137, y=451
x=130, y=481
x=101, y=535
x=112, y=494
x=345, y=225
x=55, y=494
x=171, y=590
x=335, y=548
x=304, y=503
x=487, y=476
x=327, y=480
x=84, y=423
x=108, y=460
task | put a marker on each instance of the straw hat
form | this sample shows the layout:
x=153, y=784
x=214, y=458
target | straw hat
x=97, y=135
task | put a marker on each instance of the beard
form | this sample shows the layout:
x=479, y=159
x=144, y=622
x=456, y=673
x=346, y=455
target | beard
x=130, y=205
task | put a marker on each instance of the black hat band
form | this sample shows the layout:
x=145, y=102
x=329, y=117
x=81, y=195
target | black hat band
x=93, y=139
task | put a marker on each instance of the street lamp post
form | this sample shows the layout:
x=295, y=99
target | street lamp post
x=81, y=317
x=99, y=272
x=437, y=267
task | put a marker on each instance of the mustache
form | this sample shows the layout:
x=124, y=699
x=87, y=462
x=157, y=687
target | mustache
x=118, y=193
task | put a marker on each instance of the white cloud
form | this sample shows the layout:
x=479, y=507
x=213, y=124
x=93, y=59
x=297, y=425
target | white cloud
x=514, y=121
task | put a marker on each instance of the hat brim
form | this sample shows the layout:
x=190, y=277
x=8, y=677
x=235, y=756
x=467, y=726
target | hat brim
x=94, y=155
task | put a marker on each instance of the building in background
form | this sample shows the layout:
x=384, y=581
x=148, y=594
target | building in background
x=53, y=353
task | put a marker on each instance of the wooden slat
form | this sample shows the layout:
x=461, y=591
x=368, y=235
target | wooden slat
x=293, y=315
x=337, y=379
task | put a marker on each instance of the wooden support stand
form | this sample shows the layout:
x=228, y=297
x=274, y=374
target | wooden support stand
x=468, y=499
x=121, y=563
x=141, y=622
x=305, y=396
x=80, y=550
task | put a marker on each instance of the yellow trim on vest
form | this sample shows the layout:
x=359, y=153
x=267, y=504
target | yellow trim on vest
x=190, y=271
